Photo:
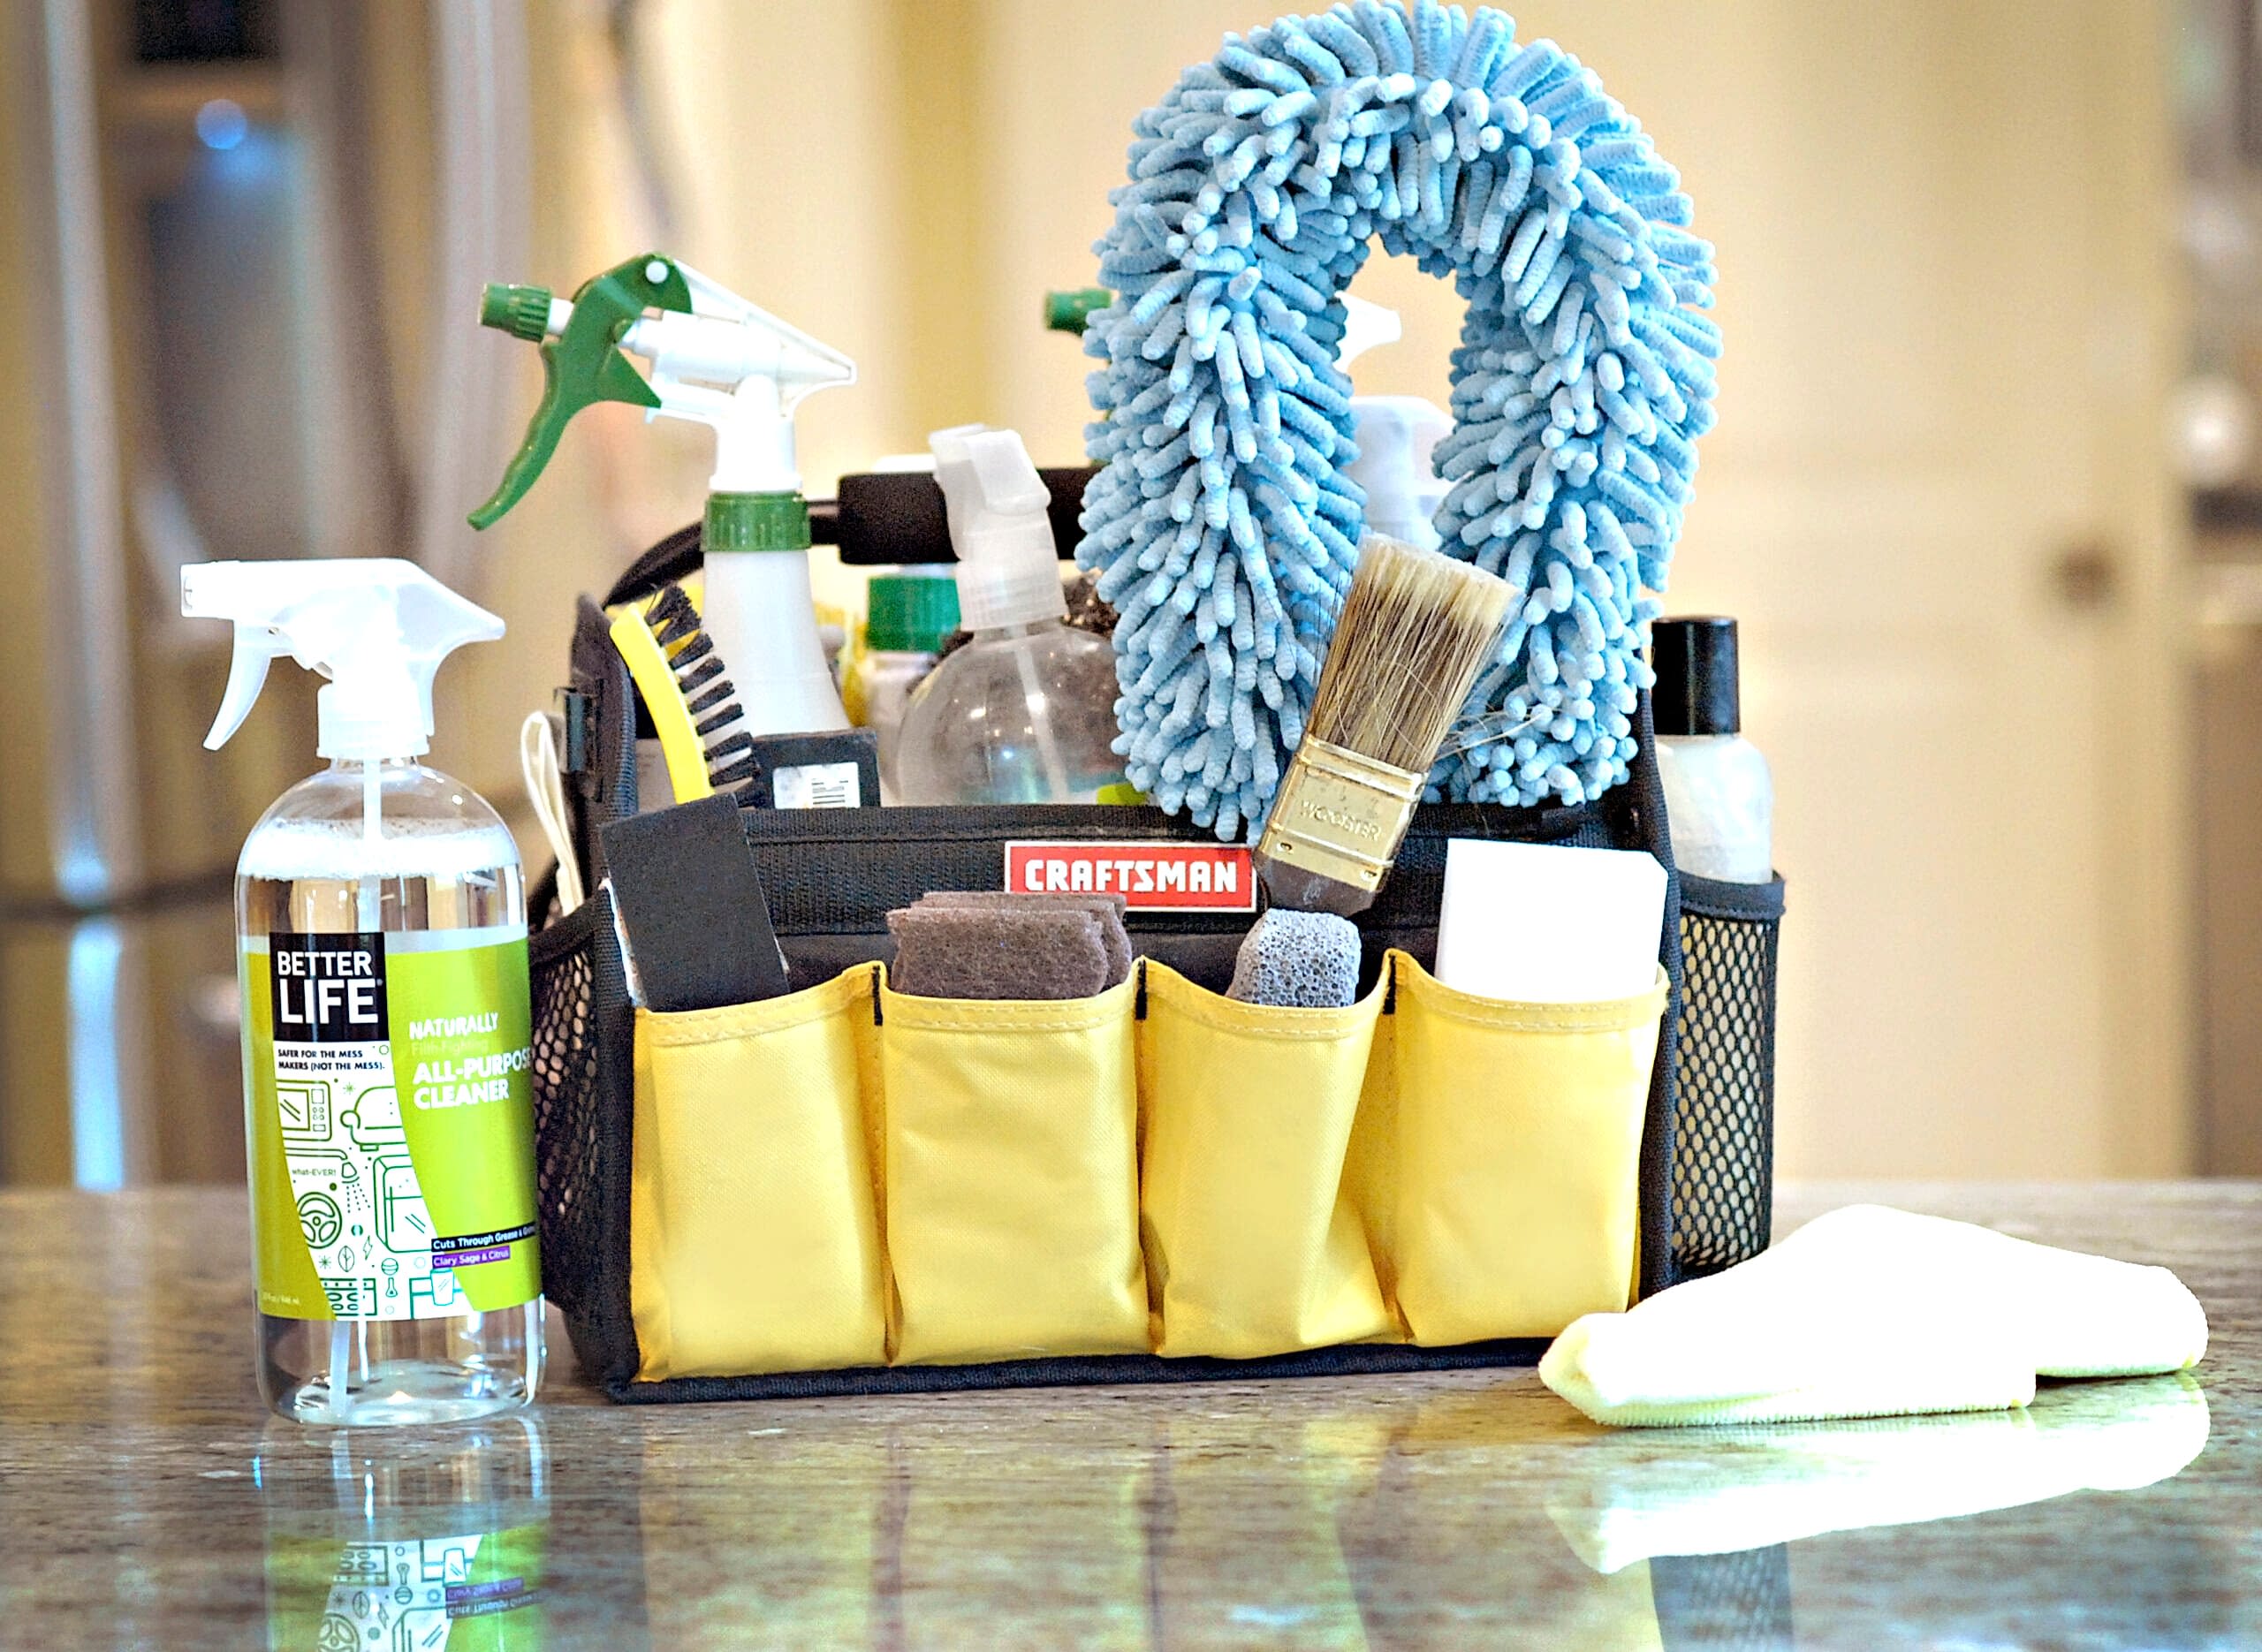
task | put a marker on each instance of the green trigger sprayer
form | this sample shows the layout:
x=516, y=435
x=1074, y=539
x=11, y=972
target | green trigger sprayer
x=725, y=363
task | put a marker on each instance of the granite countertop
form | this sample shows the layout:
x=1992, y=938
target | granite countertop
x=146, y=1501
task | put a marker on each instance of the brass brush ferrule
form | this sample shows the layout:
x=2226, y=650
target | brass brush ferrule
x=1339, y=818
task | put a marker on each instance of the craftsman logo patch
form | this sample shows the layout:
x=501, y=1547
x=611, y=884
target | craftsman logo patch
x=1150, y=877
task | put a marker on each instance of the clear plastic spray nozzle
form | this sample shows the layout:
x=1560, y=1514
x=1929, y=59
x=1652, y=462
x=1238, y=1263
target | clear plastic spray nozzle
x=377, y=627
x=1008, y=565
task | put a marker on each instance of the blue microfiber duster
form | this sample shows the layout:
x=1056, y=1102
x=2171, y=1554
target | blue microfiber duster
x=1222, y=526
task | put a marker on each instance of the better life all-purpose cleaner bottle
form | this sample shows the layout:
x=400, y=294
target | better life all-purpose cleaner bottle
x=1024, y=712
x=383, y=942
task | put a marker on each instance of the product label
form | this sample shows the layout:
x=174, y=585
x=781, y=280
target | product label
x=817, y=786
x=390, y=1112
x=1151, y=876
x=425, y=1592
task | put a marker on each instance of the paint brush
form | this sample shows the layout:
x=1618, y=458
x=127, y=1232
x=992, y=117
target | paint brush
x=1416, y=627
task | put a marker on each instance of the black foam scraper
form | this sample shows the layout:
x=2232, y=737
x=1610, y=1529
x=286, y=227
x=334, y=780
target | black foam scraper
x=693, y=908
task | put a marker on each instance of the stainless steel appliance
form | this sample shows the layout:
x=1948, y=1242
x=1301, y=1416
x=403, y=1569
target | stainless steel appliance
x=227, y=224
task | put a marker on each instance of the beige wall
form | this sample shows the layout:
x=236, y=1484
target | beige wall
x=1908, y=418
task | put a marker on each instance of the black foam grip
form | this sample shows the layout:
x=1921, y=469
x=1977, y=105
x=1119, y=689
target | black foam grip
x=896, y=517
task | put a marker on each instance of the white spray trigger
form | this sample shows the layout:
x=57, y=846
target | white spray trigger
x=1366, y=326
x=1007, y=482
x=377, y=627
x=256, y=647
x=1396, y=436
x=732, y=366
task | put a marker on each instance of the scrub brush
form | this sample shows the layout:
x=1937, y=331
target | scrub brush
x=1415, y=628
x=694, y=709
x=706, y=693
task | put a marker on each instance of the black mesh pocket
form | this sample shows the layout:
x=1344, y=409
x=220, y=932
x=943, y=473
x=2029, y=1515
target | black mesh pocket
x=1724, y=1115
x=565, y=1114
x=583, y=1117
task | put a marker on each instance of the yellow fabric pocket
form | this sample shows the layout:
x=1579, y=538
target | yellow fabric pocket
x=1011, y=1166
x=1252, y=1246
x=1498, y=1157
x=754, y=1241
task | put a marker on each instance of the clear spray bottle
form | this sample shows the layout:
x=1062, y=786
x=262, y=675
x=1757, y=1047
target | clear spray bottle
x=1024, y=712
x=382, y=946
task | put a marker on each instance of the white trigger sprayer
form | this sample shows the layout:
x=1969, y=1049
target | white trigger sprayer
x=1395, y=436
x=377, y=627
x=724, y=362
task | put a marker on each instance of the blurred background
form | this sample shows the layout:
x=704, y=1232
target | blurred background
x=1986, y=492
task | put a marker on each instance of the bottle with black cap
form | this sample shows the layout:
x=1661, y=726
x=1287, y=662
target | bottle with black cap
x=1720, y=799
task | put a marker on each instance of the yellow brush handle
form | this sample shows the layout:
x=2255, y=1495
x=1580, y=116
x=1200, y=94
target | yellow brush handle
x=679, y=742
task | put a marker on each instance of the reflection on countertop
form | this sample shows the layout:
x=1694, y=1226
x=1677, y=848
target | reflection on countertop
x=376, y=1538
x=148, y=1504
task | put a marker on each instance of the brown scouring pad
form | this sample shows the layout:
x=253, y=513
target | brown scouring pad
x=991, y=952
x=1107, y=909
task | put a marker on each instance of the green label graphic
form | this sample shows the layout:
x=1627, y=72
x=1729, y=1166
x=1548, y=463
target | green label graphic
x=479, y=1591
x=390, y=1114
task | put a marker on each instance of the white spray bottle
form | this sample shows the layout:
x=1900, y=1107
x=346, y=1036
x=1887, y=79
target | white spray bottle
x=725, y=363
x=382, y=942
x=1395, y=436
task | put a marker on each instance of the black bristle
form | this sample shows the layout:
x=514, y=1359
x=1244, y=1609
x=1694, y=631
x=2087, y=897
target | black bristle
x=721, y=695
x=706, y=693
x=699, y=675
x=671, y=616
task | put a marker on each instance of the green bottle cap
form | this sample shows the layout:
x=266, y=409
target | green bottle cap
x=1071, y=311
x=521, y=311
x=910, y=613
x=754, y=521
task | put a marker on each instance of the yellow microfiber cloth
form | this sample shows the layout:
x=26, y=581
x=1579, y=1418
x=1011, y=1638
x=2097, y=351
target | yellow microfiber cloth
x=1871, y=1312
